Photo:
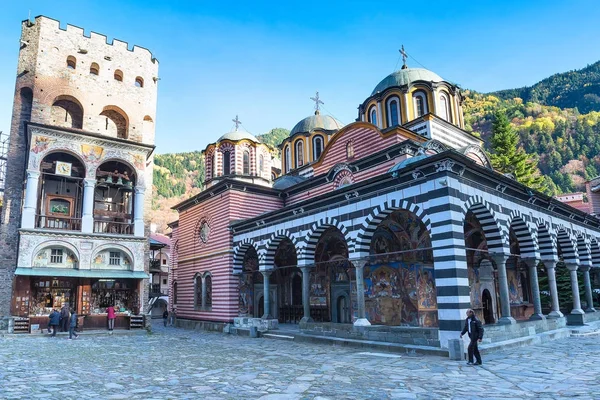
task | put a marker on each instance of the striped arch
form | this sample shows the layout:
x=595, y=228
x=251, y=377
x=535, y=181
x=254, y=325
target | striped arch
x=583, y=249
x=569, y=250
x=496, y=235
x=362, y=246
x=239, y=252
x=546, y=242
x=268, y=260
x=525, y=236
x=595, y=252
x=307, y=254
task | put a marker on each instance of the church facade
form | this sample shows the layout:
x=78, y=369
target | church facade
x=395, y=221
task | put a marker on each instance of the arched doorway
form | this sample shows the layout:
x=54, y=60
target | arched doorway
x=113, y=198
x=400, y=280
x=517, y=276
x=284, y=293
x=249, y=280
x=60, y=197
x=488, y=307
x=330, y=281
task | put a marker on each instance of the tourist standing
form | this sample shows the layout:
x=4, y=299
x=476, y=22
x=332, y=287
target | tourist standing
x=475, y=330
x=72, y=325
x=54, y=320
x=165, y=317
x=111, y=318
x=173, y=315
x=64, y=317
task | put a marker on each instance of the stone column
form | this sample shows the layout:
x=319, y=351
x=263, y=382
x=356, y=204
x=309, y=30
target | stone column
x=506, y=318
x=266, y=294
x=31, y=199
x=138, y=211
x=577, y=315
x=535, y=289
x=551, y=271
x=87, y=217
x=588, y=289
x=360, y=294
x=306, y=294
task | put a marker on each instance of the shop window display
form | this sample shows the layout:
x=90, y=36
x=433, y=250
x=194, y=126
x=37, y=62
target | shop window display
x=49, y=293
x=107, y=292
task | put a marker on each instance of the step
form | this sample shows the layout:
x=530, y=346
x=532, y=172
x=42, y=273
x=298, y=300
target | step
x=275, y=336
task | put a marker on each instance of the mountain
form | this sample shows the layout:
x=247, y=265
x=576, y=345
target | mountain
x=574, y=89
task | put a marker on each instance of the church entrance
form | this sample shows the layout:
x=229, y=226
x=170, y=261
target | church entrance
x=250, y=286
x=488, y=307
x=286, y=281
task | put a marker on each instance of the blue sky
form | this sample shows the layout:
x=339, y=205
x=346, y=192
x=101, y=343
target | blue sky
x=263, y=60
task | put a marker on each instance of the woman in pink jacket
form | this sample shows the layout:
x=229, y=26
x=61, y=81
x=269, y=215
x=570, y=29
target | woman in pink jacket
x=111, y=318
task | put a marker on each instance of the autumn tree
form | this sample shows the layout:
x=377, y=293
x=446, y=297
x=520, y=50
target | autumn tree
x=509, y=157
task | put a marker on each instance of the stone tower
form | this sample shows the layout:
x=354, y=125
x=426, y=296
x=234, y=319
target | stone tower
x=99, y=100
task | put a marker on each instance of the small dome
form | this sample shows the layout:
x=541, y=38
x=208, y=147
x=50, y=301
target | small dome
x=407, y=162
x=287, y=181
x=234, y=136
x=317, y=121
x=405, y=76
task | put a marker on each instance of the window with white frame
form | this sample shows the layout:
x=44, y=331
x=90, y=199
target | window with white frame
x=299, y=153
x=288, y=159
x=114, y=258
x=445, y=107
x=420, y=104
x=393, y=111
x=373, y=115
x=317, y=147
x=56, y=256
x=261, y=164
x=246, y=163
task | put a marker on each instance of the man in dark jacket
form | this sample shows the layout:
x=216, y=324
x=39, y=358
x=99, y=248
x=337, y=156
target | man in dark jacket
x=475, y=330
x=73, y=325
x=54, y=318
x=64, y=317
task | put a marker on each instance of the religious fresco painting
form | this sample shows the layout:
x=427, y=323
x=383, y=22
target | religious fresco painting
x=249, y=277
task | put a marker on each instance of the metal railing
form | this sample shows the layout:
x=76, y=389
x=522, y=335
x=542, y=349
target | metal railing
x=59, y=223
x=119, y=228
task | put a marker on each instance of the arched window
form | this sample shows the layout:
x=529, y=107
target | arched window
x=317, y=147
x=261, y=164
x=139, y=81
x=226, y=162
x=288, y=159
x=393, y=111
x=198, y=291
x=71, y=62
x=116, y=122
x=350, y=149
x=119, y=75
x=207, y=290
x=445, y=107
x=175, y=293
x=66, y=111
x=373, y=115
x=420, y=104
x=94, y=69
x=299, y=153
x=246, y=163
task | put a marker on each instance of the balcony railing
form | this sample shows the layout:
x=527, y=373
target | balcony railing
x=154, y=265
x=60, y=223
x=119, y=228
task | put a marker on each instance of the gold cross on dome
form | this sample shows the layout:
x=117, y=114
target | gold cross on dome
x=404, y=56
x=317, y=101
x=237, y=122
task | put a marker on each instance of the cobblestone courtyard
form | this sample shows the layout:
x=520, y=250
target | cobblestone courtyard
x=178, y=364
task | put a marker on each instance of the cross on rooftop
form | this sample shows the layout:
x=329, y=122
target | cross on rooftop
x=404, y=57
x=237, y=122
x=317, y=101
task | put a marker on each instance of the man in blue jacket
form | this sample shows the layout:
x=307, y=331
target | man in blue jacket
x=475, y=330
x=54, y=318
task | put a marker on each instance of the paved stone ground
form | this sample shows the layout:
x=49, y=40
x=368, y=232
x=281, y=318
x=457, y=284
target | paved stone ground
x=178, y=364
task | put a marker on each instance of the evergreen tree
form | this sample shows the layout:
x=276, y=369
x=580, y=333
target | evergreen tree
x=508, y=156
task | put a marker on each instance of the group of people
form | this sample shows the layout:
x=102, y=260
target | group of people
x=66, y=319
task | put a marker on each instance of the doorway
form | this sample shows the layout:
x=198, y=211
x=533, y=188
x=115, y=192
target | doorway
x=488, y=308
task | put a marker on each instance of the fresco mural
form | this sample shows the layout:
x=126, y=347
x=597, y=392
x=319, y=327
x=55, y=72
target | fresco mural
x=249, y=277
x=57, y=257
x=400, y=280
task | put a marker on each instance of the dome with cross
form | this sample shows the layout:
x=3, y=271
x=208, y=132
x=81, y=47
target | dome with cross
x=406, y=76
x=316, y=122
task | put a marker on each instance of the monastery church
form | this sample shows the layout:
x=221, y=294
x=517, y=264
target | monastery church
x=390, y=227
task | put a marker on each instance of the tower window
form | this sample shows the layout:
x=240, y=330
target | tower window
x=119, y=75
x=299, y=153
x=350, y=150
x=246, y=162
x=226, y=162
x=71, y=62
x=288, y=159
x=261, y=164
x=94, y=69
x=420, y=103
x=373, y=116
x=139, y=82
x=445, y=107
x=317, y=147
x=393, y=111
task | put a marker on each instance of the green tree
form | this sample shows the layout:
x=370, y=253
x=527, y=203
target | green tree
x=508, y=156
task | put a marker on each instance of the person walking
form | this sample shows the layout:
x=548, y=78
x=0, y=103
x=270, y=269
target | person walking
x=173, y=318
x=111, y=318
x=165, y=317
x=64, y=318
x=54, y=320
x=72, y=325
x=475, y=330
